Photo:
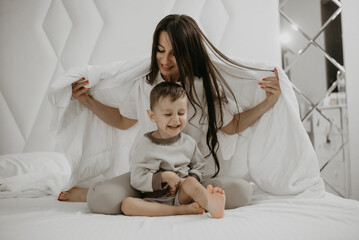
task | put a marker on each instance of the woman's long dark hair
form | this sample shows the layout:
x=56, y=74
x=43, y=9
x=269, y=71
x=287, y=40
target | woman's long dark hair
x=193, y=61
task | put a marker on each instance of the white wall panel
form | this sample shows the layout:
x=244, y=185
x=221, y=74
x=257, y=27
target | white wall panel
x=27, y=60
x=41, y=38
x=252, y=30
x=11, y=139
x=351, y=55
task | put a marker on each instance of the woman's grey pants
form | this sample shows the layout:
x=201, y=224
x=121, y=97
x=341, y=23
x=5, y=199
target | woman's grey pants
x=106, y=197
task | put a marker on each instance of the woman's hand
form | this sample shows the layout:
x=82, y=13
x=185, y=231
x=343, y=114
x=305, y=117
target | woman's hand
x=79, y=91
x=172, y=179
x=243, y=120
x=272, y=88
x=110, y=115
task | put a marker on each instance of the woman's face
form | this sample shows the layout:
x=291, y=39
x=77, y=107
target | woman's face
x=166, y=60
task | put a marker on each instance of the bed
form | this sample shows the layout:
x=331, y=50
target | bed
x=44, y=217
x=29, y=209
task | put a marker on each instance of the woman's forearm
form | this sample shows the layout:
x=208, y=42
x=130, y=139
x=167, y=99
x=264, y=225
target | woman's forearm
x=109, y=115
x=243, y=120
x=247, y=118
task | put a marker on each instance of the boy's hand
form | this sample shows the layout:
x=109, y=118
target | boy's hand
x=172, y=180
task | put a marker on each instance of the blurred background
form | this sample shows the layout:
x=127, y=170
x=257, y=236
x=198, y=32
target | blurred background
x=315, y=41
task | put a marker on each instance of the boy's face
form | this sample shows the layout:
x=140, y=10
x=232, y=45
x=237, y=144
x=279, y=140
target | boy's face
x=170, y=117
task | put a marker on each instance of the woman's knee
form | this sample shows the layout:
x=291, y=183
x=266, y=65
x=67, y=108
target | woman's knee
x=238, y=191
x=241, y=194
x=106, y=197
x=101, y=200
x=245, y=192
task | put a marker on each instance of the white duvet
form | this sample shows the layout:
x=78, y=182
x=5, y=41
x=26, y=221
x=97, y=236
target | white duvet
x=33, y=174
x=275, y=153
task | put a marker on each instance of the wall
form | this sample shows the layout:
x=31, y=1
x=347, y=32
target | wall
x=350, y=22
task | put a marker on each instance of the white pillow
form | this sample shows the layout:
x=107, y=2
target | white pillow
x=45, y=172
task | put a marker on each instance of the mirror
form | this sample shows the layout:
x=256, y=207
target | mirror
x=312, y=56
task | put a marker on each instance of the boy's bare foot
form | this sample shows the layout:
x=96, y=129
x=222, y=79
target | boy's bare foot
x=193, y=208
x=216, y=201
x=75, y=194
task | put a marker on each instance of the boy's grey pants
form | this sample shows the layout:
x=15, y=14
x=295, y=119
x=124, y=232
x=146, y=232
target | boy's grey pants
x=106, y=197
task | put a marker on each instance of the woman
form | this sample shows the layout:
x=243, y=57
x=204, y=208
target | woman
x=179, y=54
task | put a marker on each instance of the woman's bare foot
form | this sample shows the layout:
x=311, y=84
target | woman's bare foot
x=216, y=201
x=75, y=194
x=192, y=208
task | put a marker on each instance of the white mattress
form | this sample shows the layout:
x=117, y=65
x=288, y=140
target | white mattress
x=46, y=218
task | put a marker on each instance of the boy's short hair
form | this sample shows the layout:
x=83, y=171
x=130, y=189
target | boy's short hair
x=166, y=89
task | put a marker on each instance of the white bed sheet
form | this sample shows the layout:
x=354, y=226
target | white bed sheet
x=327, y=218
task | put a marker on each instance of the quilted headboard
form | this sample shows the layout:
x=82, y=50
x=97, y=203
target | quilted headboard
x=40, y=39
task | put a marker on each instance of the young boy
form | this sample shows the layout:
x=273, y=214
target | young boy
x=167, y=164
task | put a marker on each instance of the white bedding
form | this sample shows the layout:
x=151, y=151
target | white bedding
x=275, y=152
x=326, y=218
x=33, y=174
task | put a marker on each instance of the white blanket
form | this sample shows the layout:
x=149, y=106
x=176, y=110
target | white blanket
x=33, y=174
x=275, y=152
